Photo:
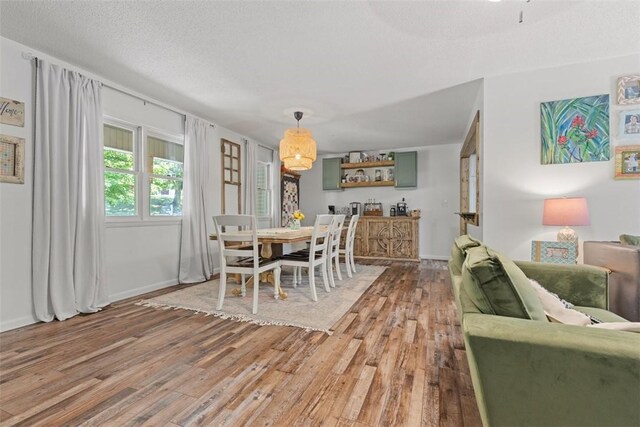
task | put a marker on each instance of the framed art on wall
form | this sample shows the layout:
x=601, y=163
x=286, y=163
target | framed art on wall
x=11, y=112
x=290, y=195
x=627, y=162
x=11, y=159
x=554, y=252
x=629, y=89
x=629, y=126
x=575, y=130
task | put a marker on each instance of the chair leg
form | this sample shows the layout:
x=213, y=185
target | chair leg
x=222, y=289
x=353, y=263
x=325, y=278
x=328, y=267
x=256, y=287
x=244, y=286
x=347, y=265
x=312, y=285
x=337, y=261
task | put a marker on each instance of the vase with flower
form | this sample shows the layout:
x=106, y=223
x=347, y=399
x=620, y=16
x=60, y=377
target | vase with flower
x=295, y=220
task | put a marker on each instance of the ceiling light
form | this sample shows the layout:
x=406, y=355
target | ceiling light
x=298, y=148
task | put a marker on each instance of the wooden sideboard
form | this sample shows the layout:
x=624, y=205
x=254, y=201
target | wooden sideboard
x=388, y=237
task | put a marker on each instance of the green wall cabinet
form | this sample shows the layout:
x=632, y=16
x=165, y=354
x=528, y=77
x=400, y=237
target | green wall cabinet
x=406, y=169
x=331, y=173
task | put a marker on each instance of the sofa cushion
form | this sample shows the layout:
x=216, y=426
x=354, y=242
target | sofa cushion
x=458, y=251
x=497, y=286
x=628, y=239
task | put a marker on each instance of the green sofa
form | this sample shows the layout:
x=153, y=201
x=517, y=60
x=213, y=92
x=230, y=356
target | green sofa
x=527, y=371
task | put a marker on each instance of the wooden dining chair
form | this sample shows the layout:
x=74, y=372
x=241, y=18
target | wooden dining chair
x=236, y=257
x=315, y=256
x=334, y=248
x=347, y=251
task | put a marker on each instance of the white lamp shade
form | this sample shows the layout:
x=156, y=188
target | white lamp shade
x=566, y=211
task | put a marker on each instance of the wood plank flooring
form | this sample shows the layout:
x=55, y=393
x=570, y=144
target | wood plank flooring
x=396, y=359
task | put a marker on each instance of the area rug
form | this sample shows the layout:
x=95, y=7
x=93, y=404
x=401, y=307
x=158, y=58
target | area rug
x=297, y=310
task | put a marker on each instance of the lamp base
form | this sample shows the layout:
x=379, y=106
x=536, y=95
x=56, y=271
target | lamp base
x=567, y=235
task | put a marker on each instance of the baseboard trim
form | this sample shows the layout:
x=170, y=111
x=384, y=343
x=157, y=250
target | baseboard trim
x=142, y=290
x=8, y=325
x=436, y=257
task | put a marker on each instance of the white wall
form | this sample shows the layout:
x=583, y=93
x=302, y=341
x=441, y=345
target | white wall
x=437, y=196
x=515, y=183
x=139, y=257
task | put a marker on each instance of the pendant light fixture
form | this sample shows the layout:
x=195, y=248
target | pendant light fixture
x=298, y=148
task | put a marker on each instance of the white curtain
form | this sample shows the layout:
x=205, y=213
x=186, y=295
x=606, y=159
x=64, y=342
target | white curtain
x=196, y=257
x=68, y=205
x=251, y=186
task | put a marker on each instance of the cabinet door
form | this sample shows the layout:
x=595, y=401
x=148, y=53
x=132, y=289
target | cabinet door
x=331, y=173
x=406, y=169
x=378, y=237
x=403, y=239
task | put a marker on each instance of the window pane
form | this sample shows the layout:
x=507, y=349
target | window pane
x=119, y=194
x=165, y=197
x=164, y=157
x=262, y=203
x=118, y=159
x=262, y=176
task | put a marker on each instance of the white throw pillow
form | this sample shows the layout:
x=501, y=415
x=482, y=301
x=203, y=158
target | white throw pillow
x=556, y=310
x=619, y=326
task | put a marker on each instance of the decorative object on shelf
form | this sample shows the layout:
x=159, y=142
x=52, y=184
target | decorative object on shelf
x=11, y=112
x=388, y=174
x=554, y=252
x=355, y=156
x=575, y=130
x=627, y=162
x=296, y=217
x=373, y=209
x=629, y=124
x=298, y=148
x=401, y=208
x=290, y=195
x=566, y=211
x=392, y=211
x=11, y=159
x=629, y=89
x=378, y=175
x=415, y=213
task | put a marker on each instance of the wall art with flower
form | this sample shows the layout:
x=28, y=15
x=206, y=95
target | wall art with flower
x=575, y=130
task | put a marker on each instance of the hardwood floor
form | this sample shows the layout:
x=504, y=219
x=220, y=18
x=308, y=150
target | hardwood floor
x=396, y=359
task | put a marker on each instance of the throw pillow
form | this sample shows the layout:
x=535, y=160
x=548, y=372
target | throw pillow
x=496, y=285
x=619, y=326
x=628, y=239
x=558, y=310
x=458, y=251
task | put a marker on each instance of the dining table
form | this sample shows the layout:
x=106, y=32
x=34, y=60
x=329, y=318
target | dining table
x=272, y=241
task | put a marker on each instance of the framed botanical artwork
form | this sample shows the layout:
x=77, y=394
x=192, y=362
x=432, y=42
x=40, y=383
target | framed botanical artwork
x=554, y=252
x=629, y=126
x=627, y=162
x=629, y=89
x=575, y=130
x=11, y=159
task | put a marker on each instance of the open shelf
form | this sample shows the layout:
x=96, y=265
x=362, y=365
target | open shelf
x=468, y=216
x=368, y=184
x=363, y=165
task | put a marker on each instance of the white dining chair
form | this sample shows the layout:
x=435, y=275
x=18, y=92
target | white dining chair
x=334, y=248
x=242, y=259
x=315, y=256
x=347, y=251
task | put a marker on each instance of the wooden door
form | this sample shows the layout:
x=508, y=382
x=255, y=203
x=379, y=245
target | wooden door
x=403, y=239
x=378, y=233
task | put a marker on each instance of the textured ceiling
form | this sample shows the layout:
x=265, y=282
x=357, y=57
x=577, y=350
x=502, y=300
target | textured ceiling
x=368, y=74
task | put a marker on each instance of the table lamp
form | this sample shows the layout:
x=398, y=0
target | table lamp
x=566, y=211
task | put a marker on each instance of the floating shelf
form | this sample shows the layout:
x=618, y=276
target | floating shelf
x=468, y=216
x=368, y=184
x=363, y=165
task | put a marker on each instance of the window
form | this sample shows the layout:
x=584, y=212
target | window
x=164, y=164
x=263, y=178
x=141, y=181
x=119, y=171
